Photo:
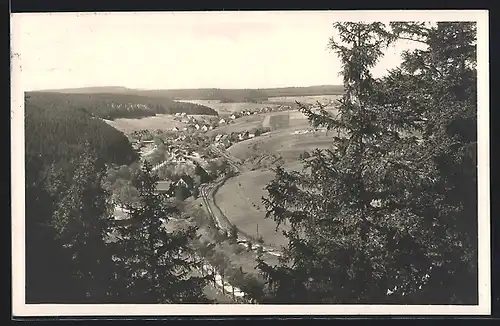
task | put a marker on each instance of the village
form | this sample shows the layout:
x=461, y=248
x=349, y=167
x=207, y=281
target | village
x=207, y=123
x=186, y=159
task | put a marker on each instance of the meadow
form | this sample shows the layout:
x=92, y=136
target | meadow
x=323, y=99
x=160, y=121
x=288, y=143
x=240, y=198
x=241, y=124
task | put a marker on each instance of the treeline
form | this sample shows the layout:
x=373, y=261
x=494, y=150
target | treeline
x=220, y=94
x=242, y=95
x=112, y=106
x=76, y=252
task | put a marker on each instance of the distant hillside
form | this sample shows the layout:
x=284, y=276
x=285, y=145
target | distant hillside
x=224, y=95
x=245, y=95
x=305, y=91
x=115, y=105
x=91, y=90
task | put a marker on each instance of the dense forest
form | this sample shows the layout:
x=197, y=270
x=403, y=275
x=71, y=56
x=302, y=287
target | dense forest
x=242, y=95
x=57, y=134
x=112, y=106
x=73, y=249
x=224, y=95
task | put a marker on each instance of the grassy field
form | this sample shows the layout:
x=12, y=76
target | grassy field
x=283, y=142
x=227, y=108
x=289, y=120
x=239, y=125
x=324, y=99
x=161, y=121
x=240, y=199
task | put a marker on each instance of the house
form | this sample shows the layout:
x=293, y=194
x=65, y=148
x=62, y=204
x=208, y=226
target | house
x=166, y=187
x=251, y=135
x=244, y=135
x=233, y=117
x=218, y=137
x=222, y=121
x=225, y=140
x=204, y=128
x=186, y=181
x=197, y=126
x=248, y=113
x=175, y=129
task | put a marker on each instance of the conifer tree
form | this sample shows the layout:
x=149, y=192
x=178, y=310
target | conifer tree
x=442, y=79
x=81, y=222
x=377, y=218
x=156, y=263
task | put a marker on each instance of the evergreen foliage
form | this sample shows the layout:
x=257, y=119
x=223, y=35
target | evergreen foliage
x=389, y=213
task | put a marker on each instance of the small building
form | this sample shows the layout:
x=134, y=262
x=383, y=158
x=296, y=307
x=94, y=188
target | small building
x=233, y=117
x=166, y=187
x=186, y=181
x=222, y=121
x=218, y=137
x=204, y=128
x=243, y=135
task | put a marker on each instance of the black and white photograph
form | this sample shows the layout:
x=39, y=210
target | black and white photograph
x=250, y=162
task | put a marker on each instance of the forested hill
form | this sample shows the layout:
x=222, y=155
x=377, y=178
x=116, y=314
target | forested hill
x=58, y=134
x=229, y=95
x=115, y=105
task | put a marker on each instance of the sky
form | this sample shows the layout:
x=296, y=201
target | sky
x=181, y=50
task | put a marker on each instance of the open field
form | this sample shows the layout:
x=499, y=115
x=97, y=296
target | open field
x=287, y=143
x=227, y=108
x=323, y=99
x=160, y=121
x=291, y=120
x=241, y=124
x=240, y=199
